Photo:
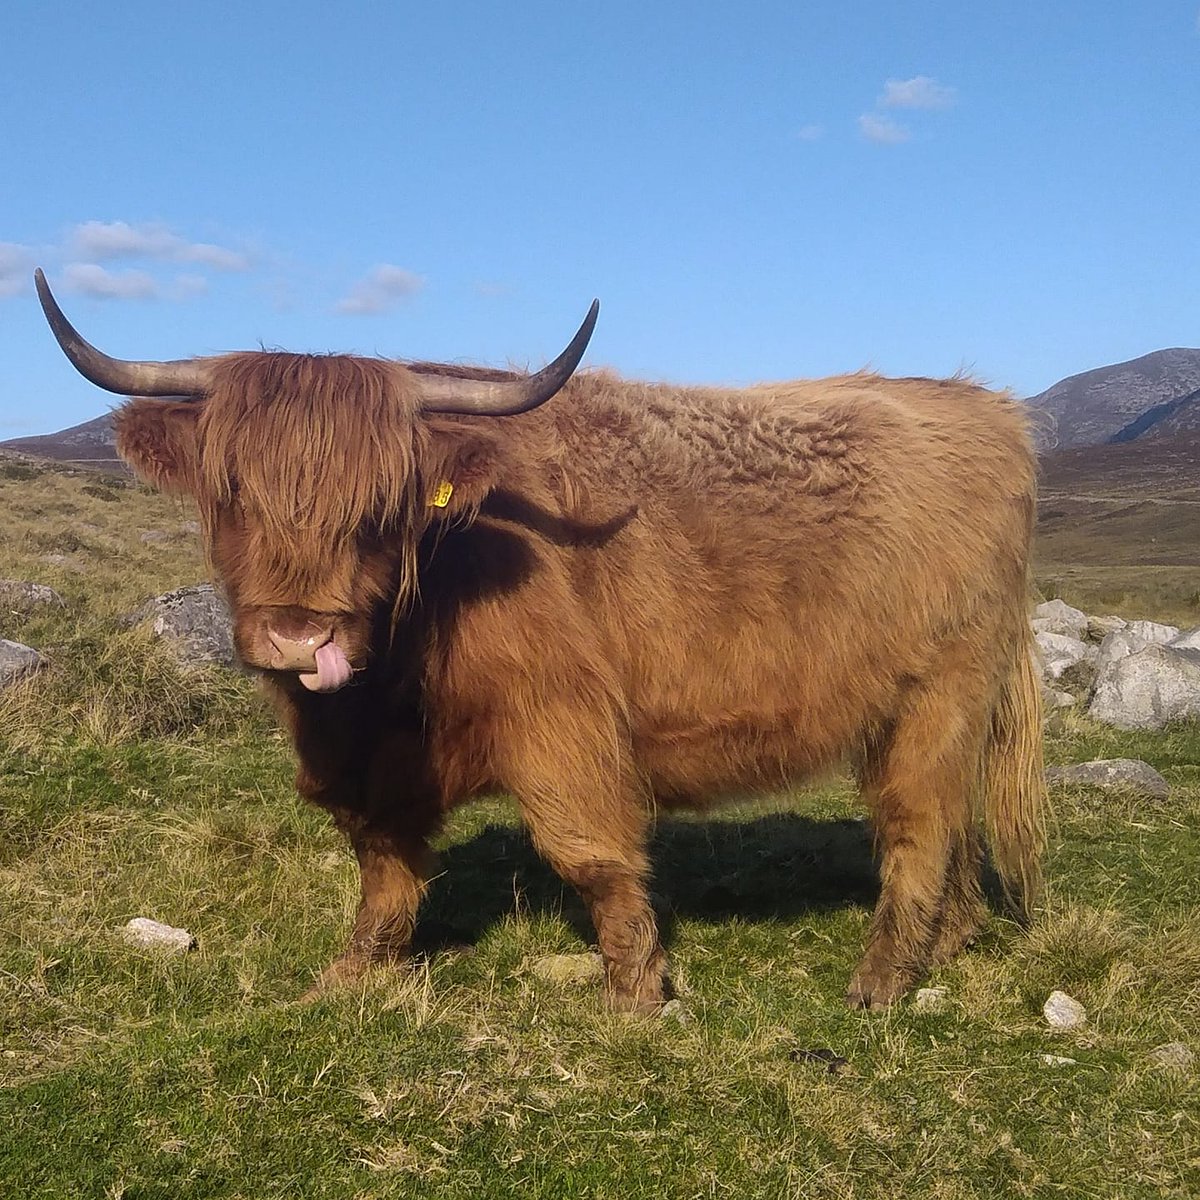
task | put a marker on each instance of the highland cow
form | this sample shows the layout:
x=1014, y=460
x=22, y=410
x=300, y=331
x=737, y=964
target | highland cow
x=610, y=598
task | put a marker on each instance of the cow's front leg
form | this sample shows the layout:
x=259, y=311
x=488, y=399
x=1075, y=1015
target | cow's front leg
x=588, y=812
x=394, y=870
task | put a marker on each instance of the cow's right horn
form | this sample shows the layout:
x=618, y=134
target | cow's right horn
x=183, y=378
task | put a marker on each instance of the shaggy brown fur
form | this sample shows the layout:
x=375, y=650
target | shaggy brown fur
x=638, y=595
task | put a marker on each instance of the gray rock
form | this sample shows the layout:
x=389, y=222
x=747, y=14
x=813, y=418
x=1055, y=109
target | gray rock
x=1063, y=1012
x=1056, y=617
x=22, y=596
x=1147, y=688
x=1189, y=639
x=569, y=968
x=1153, y=632
x=931, y=999
x=1062, y=655
x=1052, y=699
x=195, y=622
x=1116, y=645
x=154, y=935
x=1098, y=628
x=1058, y=1060
x=1175, y=1056
x=16, y=661
x=1114, y=774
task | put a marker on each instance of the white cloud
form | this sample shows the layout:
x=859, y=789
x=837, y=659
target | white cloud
x=921, y=91
x=91, y=279
x=16, y=267
x=810, y=133
x=382, y=288
x=883, y=131
x=119, y=239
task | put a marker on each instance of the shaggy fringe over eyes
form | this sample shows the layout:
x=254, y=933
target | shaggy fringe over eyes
x=314, y=447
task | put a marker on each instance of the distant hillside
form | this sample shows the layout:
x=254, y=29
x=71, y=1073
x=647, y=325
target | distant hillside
x=1119, y=527
x=91, y=443
x=1124, y=401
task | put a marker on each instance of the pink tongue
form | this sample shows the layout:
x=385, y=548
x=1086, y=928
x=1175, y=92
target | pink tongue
x=333, y=670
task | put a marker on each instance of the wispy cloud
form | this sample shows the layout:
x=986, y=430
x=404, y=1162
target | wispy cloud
x=91, y=279
x=921, y=91
x=16, y=266
x=118, y=239
x=883, y=131
x=810, y=133
x=381, y=289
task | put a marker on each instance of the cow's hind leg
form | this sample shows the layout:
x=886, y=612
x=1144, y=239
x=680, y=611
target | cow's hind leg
x=588, y=815
x=920, y=779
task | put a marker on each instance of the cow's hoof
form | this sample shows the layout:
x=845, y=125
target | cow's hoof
x=877, y=988
x=344, y=970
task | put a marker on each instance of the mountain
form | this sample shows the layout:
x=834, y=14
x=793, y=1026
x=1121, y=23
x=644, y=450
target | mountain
x=91, y=444
x=1157, y=393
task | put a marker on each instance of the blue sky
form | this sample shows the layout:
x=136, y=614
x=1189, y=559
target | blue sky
x=754, y=191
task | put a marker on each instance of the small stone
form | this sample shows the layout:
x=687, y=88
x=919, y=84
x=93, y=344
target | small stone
x=673, y=1010
x=1057, y=1060
x=154, y=935
x=930, y=999
x=16, y=661
x=1063, y=1012
x=569, y=968
x=1175, y=1056
x=1114, y=774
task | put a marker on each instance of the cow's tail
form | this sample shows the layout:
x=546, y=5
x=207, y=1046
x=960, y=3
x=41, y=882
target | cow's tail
x=1014, y=783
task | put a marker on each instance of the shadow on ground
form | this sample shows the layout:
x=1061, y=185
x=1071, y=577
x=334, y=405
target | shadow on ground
x=775, y=867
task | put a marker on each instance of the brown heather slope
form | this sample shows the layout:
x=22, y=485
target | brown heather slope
x=1119, y=527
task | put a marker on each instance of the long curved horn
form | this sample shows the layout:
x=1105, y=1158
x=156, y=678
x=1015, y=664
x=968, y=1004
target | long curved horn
x=184, y=378
x=446, y=394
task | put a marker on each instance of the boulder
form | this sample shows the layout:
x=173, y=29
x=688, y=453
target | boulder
x=195, y=622
x=1147, y=688
x=1113, y=774
x=1056, y=617
x=21, y=596
x=16, y=661
x=1117, y=645
x=1153, y=632
x=1189, y=639
x=1067, y=661
x=1098, y=628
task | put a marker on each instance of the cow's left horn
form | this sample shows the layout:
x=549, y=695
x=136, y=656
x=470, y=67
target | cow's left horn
x=185, y=377
x=446, y=394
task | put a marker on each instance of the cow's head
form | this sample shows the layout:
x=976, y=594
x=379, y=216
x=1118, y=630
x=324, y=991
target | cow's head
x=315, y=476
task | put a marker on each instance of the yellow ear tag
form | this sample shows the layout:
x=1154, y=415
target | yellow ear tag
x=441, y=497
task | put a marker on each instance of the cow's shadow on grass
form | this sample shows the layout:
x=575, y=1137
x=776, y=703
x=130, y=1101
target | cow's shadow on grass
x=775, y=867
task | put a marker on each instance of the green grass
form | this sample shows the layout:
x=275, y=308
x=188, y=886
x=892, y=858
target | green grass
x=129, y=789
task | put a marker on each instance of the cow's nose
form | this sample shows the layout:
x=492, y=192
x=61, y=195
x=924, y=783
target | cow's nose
x=297, y=653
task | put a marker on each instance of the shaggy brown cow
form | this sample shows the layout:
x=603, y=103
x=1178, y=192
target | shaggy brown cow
x=636, y=596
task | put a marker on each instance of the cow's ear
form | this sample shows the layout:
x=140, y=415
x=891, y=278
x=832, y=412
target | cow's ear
x=158, y=439
x=460, y=469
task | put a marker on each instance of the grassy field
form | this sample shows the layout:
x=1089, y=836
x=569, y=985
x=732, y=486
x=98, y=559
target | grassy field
x=127, y=789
